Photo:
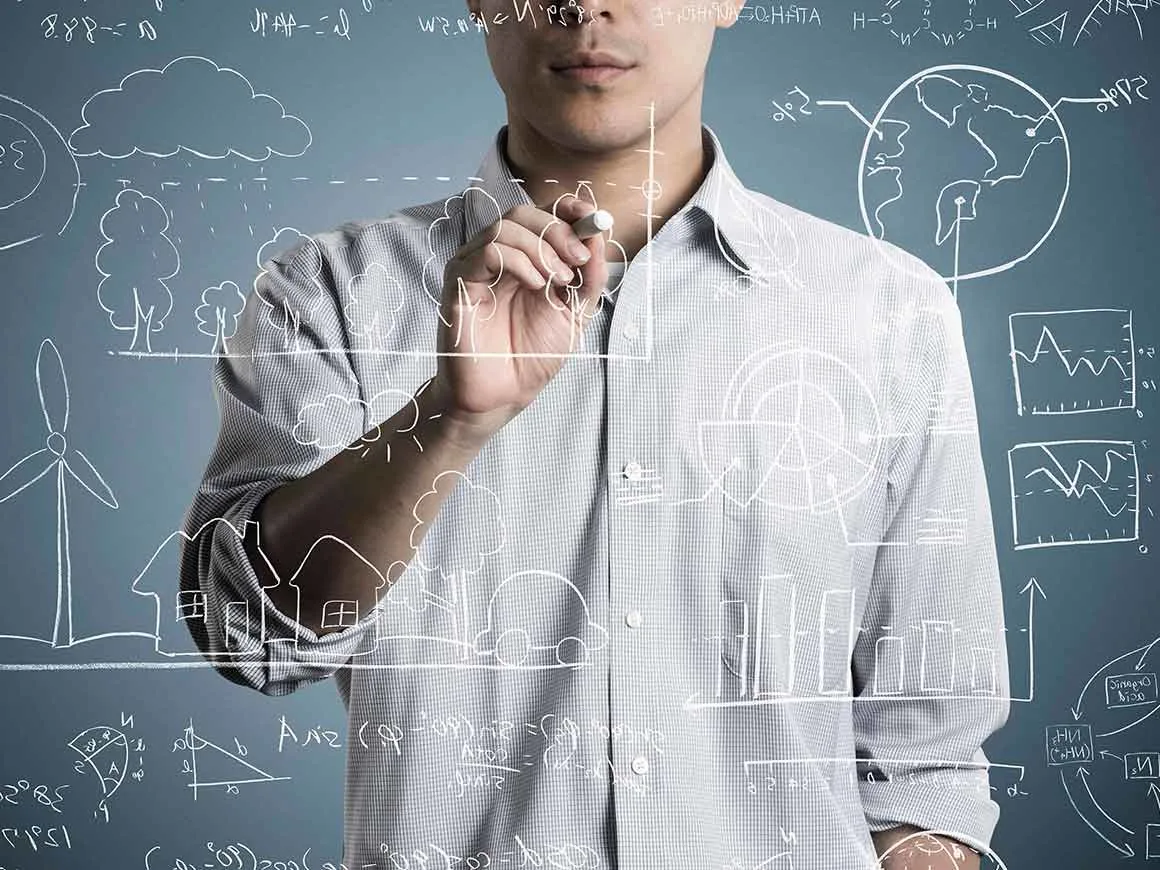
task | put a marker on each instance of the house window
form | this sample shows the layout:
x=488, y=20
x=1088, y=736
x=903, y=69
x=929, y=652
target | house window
x=339, y=613
x=190, y=604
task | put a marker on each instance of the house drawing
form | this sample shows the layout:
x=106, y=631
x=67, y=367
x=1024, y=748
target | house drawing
x=175, y=609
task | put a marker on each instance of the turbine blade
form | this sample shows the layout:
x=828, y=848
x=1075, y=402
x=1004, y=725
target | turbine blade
x=82, y=471
x=25, y=473
x=52, y=385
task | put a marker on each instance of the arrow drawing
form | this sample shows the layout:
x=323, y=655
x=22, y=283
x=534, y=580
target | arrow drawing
x=1124, y=849
x=56, y=455
x=1144, y=655
x=1031, y=588
x=1077, y=710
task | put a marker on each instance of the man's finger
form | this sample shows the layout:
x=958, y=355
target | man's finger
x=570, y=207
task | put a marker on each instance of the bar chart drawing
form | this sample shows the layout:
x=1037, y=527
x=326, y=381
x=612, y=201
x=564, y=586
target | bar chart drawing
x=776, y=637
x=984, y=677
x=889, y=665
x=773, y=632
x=1074, y=492
x=1073, y=362
x=937, y=663
x=835, y=641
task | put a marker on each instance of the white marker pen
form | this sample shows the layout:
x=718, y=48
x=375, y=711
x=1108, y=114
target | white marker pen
x=597, y=222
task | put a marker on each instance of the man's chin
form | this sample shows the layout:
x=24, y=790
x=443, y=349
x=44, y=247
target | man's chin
x=601, y=131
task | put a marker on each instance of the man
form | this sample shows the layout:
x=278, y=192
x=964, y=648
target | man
x=673, y=602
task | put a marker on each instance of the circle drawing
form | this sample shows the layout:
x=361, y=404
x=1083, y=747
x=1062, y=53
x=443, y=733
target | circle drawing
x=799, y=430
x=965, y=167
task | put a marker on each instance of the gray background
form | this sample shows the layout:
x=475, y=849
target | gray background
x=392, y=101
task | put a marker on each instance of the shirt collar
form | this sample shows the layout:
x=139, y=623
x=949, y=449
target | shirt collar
x=729, y=206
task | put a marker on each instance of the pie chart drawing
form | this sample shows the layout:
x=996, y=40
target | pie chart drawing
x=39, y=176
x=799, y=430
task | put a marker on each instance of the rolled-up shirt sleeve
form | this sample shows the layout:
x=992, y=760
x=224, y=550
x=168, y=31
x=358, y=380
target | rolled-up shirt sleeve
x=288, y=401
x=934, y=616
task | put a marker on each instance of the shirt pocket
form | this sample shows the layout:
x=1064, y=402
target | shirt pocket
x=788, y=599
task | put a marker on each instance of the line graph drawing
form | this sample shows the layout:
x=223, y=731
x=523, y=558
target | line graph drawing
x=1073, y=492
x=1077, y=361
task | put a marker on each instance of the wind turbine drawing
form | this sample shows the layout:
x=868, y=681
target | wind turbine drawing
x=52, y=386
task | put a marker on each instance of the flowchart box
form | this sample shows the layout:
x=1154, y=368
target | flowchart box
x=1142, y=765
x=1129, y=690
x=1069, y=744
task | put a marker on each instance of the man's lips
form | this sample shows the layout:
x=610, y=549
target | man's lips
x=592, y=74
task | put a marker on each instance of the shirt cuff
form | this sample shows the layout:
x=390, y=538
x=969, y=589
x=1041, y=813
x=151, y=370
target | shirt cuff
x=952, y=801
x=267, y=648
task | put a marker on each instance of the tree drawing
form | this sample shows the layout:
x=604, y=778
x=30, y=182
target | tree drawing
x=135, y=261
x=289, y=305
x=463, y=546
x=218, y=314
x=374, y=299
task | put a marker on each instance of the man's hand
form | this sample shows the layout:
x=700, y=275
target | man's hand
x=519, y=293
x=909, y=848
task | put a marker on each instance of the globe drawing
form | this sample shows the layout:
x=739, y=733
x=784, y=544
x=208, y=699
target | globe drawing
x=965, y=167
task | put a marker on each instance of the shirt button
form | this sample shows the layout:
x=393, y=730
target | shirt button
x=631, y=330
x=632, y=471
x=640, y=765
x=634, y=619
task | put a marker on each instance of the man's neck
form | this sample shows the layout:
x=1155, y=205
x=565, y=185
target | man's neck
x=616, y=178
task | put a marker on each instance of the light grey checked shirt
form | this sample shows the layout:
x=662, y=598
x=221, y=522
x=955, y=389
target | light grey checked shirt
x=725, y=595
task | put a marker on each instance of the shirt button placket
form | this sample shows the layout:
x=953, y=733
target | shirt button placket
x=630, y=698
